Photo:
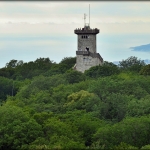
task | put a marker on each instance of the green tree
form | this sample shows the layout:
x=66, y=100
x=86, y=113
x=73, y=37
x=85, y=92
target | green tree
x=62, y=135
x=81, y=100
x=17, y=128
x=113, y=107
x=12, y=63
x=136, y=108
x=7, y=87
x=124, y=146
x=73, y=76
x=132, y=63
x=145, y=70
x=107, y=69
x=146, y=147
x=132, y=131
x=68, y=62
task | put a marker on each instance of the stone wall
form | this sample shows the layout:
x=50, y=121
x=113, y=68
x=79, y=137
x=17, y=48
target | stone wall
x=89, y=42
x=85, y=62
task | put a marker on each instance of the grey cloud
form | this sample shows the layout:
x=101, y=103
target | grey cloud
x=141, y=48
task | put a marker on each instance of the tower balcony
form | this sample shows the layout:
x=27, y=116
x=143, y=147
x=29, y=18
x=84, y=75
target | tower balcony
x=84, y=31
x=82, y=52
x=88, y=53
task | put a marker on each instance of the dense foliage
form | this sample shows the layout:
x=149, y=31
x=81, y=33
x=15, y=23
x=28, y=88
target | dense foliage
x=45, y=105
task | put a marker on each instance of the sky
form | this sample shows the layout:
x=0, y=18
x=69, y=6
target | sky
x=34, y=29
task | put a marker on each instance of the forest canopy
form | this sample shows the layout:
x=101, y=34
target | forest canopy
x=48, y=105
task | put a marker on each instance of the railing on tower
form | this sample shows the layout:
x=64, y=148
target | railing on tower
x=93, y=55
x=82, y=52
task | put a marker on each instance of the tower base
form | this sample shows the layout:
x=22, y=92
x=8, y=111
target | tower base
x=84, y=62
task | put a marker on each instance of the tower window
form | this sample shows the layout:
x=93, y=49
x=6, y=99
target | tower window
x=85, y=37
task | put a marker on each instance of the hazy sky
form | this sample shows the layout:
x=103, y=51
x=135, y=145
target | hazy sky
x=29, y=30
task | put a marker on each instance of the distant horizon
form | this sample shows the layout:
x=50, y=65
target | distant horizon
x=30, y=30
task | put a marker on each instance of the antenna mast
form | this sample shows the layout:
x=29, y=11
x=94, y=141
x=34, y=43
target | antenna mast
x=89, y=15
x=84, y=19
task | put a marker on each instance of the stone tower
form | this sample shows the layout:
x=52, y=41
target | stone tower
x=86, y=54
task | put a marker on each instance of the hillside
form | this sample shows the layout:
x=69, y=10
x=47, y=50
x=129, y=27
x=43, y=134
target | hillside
x=45, y=105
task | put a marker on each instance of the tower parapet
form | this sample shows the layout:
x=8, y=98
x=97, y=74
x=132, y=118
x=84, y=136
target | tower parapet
x=86, y=31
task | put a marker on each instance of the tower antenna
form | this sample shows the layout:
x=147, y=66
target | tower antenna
x=89, y=15
x=84, y=19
